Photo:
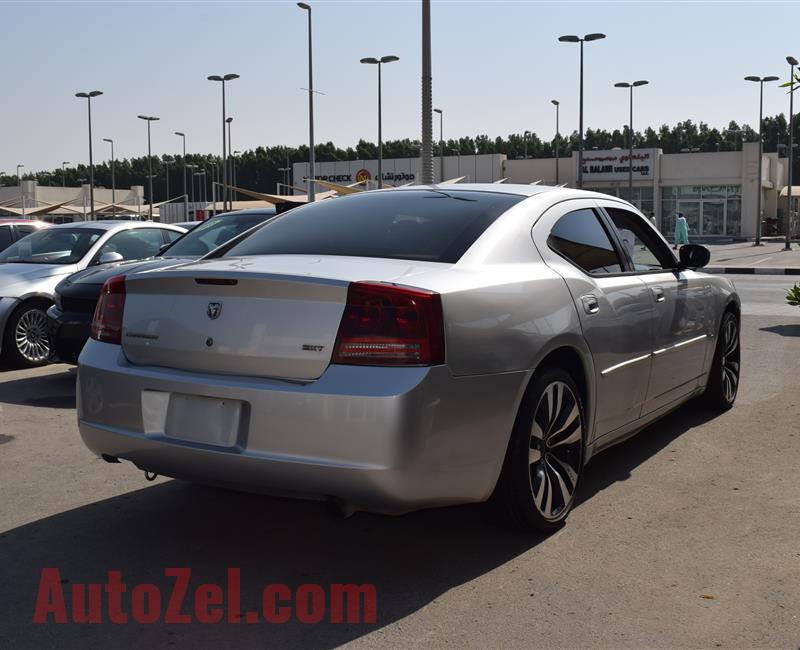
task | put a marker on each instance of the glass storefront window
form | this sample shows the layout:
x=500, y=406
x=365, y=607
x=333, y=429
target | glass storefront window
x=709, y=209
x=733, y=222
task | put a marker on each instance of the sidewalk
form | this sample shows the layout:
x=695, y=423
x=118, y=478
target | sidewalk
x=743, y=257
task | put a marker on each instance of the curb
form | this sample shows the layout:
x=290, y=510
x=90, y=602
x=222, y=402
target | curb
x=752, y=270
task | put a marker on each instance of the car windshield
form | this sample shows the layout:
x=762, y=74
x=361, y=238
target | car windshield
x=52, y=246
x=212, y=233
x=427, y=225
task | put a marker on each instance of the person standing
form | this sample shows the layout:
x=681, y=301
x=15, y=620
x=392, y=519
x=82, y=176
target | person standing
x=681, y=231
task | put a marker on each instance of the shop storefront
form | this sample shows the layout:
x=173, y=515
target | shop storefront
x=709, y=210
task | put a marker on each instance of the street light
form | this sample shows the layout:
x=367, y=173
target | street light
x=379, y=63
x=760, y=81
x=88, y=97
x=630, y=86
x=788, y=242
x=222, y=79
x=63, y=173
x=191, y=169
x=167, y=162
x=576, y=39
x=149, y=119
x=201, y=187
x=285, y=171
x=21, y=191
x=185, y=193
x=525, y=137
x=312, y=169
x=557, y=104
x=441, y=142
x=113, y=180
x=230, y=162
x=233, y=166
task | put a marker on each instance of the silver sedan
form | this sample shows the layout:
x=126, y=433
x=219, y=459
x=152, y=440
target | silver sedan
x=410, y=348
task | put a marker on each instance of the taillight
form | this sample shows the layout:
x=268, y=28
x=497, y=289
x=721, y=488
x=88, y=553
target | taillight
x=107, y=321
x=390, y=325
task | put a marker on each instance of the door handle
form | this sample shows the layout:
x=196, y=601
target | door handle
x=590, y=304
x=658, y=294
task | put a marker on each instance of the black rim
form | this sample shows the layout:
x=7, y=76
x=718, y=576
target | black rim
x=730, y=360
x=556, y=450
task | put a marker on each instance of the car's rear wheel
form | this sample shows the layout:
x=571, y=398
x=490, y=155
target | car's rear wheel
x=723, y=380
x=27, y=338
x=544, y=461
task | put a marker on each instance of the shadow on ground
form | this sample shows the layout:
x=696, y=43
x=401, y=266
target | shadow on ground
x=411, y=559
x=784, y=330
x=54, y=390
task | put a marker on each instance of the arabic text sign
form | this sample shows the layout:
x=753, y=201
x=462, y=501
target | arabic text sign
x=613, y=165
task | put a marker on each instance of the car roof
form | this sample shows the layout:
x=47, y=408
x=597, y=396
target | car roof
x=555, y=192
x=251, y=211
x=111, y=224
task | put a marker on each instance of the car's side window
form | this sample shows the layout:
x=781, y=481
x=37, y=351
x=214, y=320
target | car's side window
x=580, y=237
x=170, y=235
x=646, y=251
x=25, y=229
x=5, y=237
x=134, y=244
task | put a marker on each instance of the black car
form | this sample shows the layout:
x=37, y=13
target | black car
x=70, y=319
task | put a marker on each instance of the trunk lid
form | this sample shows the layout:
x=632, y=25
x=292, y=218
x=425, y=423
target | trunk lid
x=271, y=316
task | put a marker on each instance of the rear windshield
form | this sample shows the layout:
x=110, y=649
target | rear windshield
x=214, y=232
x=426, y=225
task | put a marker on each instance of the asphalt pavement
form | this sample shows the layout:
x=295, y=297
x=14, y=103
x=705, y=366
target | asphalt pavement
x=686, y=536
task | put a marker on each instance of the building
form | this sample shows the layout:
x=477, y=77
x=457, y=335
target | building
x=716, y=192
x=61, y=204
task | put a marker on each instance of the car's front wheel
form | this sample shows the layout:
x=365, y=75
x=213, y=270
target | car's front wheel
x=27, y=339
x=544, y=461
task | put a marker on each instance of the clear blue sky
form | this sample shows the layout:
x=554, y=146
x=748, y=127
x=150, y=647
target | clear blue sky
x=496, y=65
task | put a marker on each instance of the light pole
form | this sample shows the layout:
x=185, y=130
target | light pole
x=379, y=63
x=630, y=86
x=113, y=180
x=191, y=169
x=788, y=242
x=201, y=186
x=427, y=96
x=185, y=192
x=441, y=142
x=230, y=163
x=21, y=191
x=285, y=171
x=577, y=39
x=235, y=154
x=81, y=181
x=64, y=174
x=557, y=104
x=213, y=188
x=167, y=162
x=149, y=119
x=760, y=81
x=312, y=168
x=222, y=79
x=88, y=97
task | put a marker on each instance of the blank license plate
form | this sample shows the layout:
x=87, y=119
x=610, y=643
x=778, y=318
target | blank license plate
x=207, y=420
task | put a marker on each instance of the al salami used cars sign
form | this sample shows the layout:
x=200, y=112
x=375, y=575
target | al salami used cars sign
x=613, y=165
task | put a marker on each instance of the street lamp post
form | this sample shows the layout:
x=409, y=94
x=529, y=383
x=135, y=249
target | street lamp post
x=525, y=137
x=113, y=180
x=191, y=169
x=81, y=181
x=379, y=63
x=630, y=86
x=312, y=168
x=557, y=104
x=149, y=119
x=222, y=79
x=21, y=191
x=760, y=81
x=285, y=171
x=235, y=154
x=441, y=142
x=88, y=97
x=577, y=39
x=788, y=241
x=427, y=96
x=185, y=192
x=64, y=174
x=167, y=162
x=230, y=164
x=201, y=186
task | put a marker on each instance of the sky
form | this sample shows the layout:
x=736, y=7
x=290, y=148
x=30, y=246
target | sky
x=496, y=66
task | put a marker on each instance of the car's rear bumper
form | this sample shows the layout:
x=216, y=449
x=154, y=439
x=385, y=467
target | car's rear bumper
x=381, y=439
x=68, y=334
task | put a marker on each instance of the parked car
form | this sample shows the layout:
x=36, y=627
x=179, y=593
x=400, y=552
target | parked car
x=409, y=348
x=13, y=229
x=70, y=318
x=31, y=268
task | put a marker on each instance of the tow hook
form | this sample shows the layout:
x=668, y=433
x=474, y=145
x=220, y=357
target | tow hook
x=150, y=476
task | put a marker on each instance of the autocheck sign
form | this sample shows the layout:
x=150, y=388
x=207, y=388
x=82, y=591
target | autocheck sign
x=614, y=165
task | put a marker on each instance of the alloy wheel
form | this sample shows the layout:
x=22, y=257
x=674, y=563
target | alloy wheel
x=31, y=336
x=730, y=360
x=556, y=450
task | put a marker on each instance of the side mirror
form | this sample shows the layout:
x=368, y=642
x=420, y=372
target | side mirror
x=162, y=248
x=107, y=258
x=694, y=256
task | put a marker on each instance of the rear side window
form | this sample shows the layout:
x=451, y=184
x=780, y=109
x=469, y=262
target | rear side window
x=5, y=237
x=581, y=238
x=426, y=225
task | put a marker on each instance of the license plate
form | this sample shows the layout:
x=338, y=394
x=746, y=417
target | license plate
x=194, y=418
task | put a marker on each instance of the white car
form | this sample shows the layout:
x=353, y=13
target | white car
x=31, y=268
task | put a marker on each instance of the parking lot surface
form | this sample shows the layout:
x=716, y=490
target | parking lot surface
x=688, y=535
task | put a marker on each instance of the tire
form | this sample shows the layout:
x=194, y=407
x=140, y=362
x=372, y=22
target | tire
x=26, y=341
x=544, y=461
x=723, y=379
